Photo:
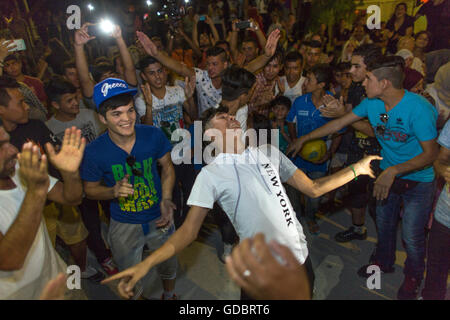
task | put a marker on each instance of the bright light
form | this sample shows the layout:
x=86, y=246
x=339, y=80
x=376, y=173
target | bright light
x=158, y=13
x=149, y=3
x=106, y=26
x=186, y=1
x=90, y=7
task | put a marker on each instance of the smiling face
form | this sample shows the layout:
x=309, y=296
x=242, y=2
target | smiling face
x=272, y=69
x=422, y=41
x=400, y=11
x=120, y=121
x=8, y=155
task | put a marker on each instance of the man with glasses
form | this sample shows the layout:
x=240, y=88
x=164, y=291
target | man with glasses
x=120, y=166
x=405, y=126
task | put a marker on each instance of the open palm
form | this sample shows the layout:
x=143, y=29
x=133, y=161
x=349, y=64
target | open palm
x=147, y=44
x=68, y=159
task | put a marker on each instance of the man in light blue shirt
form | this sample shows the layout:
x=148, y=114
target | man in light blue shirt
x=405, y=126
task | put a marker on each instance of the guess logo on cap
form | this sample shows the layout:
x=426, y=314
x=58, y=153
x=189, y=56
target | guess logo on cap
x=107, y=86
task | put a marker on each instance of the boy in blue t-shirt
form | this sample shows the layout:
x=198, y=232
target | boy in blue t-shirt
x=120, y=166
x=405, y=126
x=304, y=117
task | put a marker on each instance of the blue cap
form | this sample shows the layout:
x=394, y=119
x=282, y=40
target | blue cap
x=109, y=88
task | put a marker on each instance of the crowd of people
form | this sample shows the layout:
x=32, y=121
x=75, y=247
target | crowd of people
x=88, y=137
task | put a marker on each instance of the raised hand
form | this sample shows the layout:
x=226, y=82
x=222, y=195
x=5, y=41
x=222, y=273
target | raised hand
x=147, y=92
x=189, y=86
x=128, y=279
x=167, y=208
x=68, y=159
x=295, y=147
x=33, y=169
x=117, y=32
x=281, y=86
x=123, y=188
x=82, y=36
x=147, y=44
x=271, y=44
x=5, y=46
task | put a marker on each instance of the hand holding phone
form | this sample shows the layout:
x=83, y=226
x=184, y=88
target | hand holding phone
x=16, y=45
x=244, y=24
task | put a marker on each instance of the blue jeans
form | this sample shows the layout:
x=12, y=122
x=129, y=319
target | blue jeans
x=417, y=203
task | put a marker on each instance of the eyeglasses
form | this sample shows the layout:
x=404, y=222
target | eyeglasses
x=131, y=161
x=381, y=128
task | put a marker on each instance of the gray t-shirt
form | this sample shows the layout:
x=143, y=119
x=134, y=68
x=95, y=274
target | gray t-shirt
x=87, y=121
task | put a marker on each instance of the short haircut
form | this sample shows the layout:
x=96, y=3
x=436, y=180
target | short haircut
x=293, y=56
x=69, y=64
x=57, y=87
x=368, y=52
x=6, y=83
x=145, y=62
x=391, y=68
x=100, y=69
x=235, y=82
x=281, y=100
x=216, y=51
x=220, y=42
x=323, y=73
x=343, y=66
x=315, y=44
x=12, y=56
x=278, y=55
x=261, y=122
x=210, y=113
x=114, y=103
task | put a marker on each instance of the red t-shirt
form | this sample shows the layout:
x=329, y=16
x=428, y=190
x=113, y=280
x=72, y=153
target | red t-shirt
x=37, y=87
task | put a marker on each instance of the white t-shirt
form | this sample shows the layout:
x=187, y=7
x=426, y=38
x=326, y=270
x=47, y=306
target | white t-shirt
x=207, y=95
x=42, y=262
x=295, y=91
x=252, y=195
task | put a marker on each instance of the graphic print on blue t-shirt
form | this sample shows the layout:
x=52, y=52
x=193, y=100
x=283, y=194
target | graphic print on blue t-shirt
x=105, y=161
x=401, y=130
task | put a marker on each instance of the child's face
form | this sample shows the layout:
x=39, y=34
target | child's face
x=280, y=111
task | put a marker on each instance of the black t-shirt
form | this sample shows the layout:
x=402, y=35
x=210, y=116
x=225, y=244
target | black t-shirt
x=438, y=21
x=360, y=143
x=392, y=44
x=37, y=132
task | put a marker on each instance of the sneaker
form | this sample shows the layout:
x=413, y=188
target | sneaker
x=408, y=289
x=349, y=235
x=227, y=248
x=92, y=274
x=362, y=272
x=174, y=297
x=109, y=266
x=313, y=227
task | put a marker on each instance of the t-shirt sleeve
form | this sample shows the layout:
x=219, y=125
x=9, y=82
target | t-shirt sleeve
x=361, y=109
x=444, y=137
x=287, y=168
x=89, y=169
x=162, y=142
x=139, y=105
x=181, y=96
x=198, y=77
x=424, y=121
x=203, y=193
x=292, y=113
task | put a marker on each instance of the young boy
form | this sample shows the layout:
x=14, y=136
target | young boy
x=280, y=107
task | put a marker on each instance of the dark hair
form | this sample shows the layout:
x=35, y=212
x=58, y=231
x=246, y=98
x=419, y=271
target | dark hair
x=368, y=52
x=250, y=39
x=391, y=68
x=323, y=73
x=216, y=51
x=58, y=87
x=281, y=100
x=278, y=55
x=114, y=103
x=6, y=83
x=218, y=43
x=261, y=122
x=343, y=66
x=293, y=56
x=236, y=81
x=210, y=113
x=429, y=35
x=100, y=69
x=12, y=56
x=315, y=44
x=69, y=64
x=392, y=18
x=145, y=62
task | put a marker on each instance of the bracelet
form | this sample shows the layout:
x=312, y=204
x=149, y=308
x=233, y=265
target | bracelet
x=356, y=177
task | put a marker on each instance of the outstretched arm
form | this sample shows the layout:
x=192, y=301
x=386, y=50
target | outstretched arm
x=130, y=71
x=164, y=59
x=178, y=241
x=81, y=38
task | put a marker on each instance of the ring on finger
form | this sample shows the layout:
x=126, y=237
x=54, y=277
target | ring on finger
x=247, y=273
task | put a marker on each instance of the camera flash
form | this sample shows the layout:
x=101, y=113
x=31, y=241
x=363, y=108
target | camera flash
x=90, y=7
x=106, y=26
x=149, y=3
